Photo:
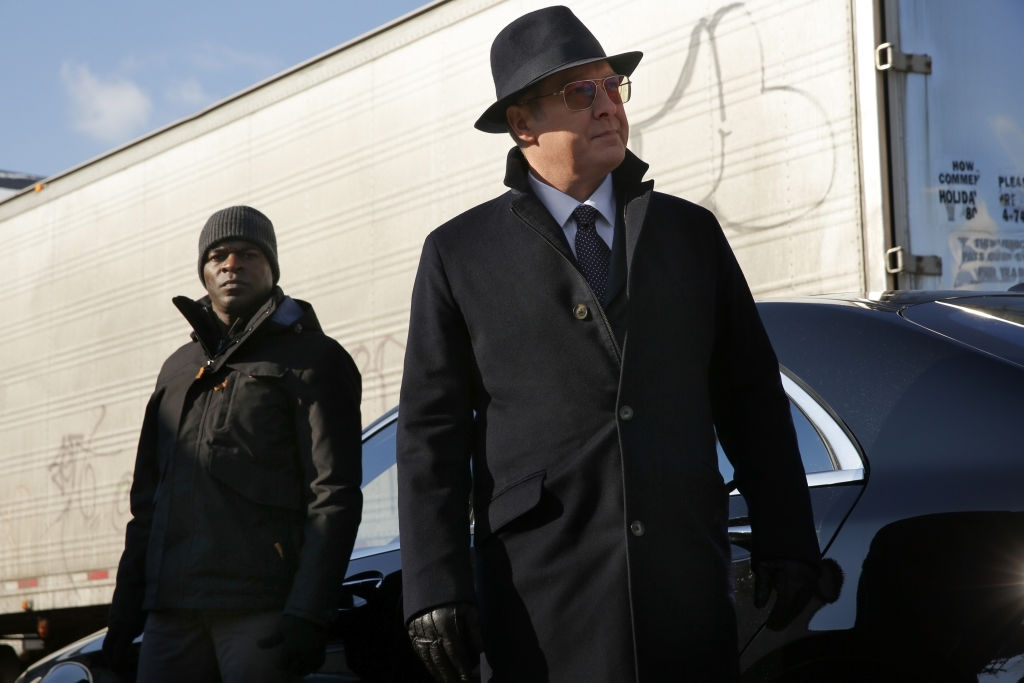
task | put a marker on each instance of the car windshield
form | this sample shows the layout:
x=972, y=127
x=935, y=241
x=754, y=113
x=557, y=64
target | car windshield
x=993, y=324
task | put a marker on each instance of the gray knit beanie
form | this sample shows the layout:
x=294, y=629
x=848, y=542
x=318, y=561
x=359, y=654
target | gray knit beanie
x=239, y=223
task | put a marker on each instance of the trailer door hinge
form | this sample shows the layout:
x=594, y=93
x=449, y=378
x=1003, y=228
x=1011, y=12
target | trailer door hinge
x=898, y=260
x=887, y=58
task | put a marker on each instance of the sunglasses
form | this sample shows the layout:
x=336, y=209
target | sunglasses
x=580, y=95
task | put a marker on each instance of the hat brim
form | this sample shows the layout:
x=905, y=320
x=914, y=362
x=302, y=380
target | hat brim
x=493, y=119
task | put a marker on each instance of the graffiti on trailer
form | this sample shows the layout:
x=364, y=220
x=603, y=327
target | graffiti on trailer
x=73, y=475
x=376, y=359
x=732, y=111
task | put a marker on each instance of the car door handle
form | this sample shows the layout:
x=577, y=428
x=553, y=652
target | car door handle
x=358, y=588
x=740, y=533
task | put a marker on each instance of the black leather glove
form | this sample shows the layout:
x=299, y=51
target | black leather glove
x=447, y=641
x=794, y=583
x=302, y=644
x=119, y=651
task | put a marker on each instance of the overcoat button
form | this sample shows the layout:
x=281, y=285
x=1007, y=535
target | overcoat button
x=581, y=311
x=637, y=528
x=626, y=413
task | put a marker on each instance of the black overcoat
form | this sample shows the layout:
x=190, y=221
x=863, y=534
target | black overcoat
x=584, y=433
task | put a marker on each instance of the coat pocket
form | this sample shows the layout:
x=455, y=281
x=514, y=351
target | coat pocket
x=511, y=503
x=255, y=408
x=255, y=480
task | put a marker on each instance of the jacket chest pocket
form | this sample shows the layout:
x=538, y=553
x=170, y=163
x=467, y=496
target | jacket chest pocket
x=254, y=409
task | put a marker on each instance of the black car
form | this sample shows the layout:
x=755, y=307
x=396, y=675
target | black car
x=907, y=407
x=910, y=405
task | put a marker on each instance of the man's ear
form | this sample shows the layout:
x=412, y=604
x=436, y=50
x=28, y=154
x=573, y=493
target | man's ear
x=520, y=124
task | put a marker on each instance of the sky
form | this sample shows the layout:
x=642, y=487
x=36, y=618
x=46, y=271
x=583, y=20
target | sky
x=79, y=78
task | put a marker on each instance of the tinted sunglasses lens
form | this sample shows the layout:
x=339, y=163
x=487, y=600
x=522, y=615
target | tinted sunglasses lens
x=617, y=88
x=579, y=95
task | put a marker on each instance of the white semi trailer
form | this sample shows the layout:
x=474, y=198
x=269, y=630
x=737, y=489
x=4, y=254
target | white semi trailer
x=846, y=145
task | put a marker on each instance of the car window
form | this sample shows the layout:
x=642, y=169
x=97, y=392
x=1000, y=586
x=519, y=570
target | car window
x=813, y=451
x=829, y=453
x=379, y=528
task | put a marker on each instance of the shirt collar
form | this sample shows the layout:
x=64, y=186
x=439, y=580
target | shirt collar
x=561, y=205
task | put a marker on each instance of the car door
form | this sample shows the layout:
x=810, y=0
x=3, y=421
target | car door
x=368, y=638
x=835, y=476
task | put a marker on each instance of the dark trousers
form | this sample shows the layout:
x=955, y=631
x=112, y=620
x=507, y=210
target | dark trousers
x=209, y=646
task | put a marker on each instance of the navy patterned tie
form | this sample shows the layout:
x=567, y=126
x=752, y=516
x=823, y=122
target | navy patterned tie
x=592, y=252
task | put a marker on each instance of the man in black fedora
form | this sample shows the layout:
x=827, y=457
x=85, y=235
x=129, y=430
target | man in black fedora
x=574, y=344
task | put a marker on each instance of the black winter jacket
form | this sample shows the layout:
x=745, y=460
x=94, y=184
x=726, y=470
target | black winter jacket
x=246, y=488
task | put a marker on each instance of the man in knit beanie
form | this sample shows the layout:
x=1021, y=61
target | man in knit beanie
x=243, y=223
x=249, y=234
x=245, y=500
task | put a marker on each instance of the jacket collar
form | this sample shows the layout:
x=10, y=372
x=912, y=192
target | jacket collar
x=279, y=311
x=627, y=174
x=632, y=193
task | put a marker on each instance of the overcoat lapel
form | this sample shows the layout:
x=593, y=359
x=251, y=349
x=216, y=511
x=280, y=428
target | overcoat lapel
x=635, y=213
x=532, y=212
x=634, y=197
x=528, y=208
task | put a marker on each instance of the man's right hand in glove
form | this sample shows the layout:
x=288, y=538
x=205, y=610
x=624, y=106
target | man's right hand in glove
x=119, y=650
x=447, y=640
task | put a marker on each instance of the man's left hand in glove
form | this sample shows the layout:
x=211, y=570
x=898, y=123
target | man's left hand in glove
x=302, y=644
x=794, y=583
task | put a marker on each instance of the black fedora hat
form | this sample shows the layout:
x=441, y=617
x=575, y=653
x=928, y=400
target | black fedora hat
x=536, y=45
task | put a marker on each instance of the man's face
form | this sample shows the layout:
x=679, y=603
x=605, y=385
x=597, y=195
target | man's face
x=238, y=278
x=572, y=150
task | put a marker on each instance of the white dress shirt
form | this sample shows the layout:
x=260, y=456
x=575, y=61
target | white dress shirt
x=561, y=206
